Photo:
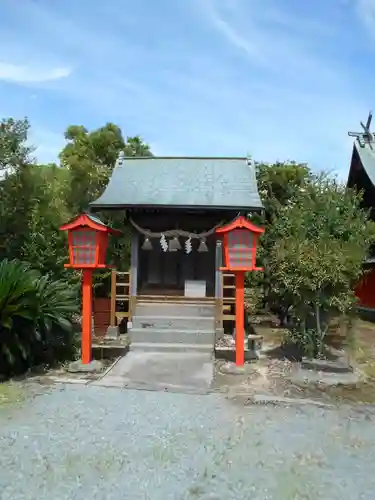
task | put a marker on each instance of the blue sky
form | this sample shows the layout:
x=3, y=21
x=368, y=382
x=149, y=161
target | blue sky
x=277, y=79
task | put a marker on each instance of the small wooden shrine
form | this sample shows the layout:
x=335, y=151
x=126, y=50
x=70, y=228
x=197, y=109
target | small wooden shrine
x=173, y=207
x=362, y=178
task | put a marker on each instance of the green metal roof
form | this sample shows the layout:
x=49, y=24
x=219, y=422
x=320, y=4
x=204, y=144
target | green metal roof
x=367, y=157
x=96, y=219
x=219, y=183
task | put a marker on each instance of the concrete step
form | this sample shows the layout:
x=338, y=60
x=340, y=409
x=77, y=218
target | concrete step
x=171, y=347
x=172, y=336
x=173, y=309
x=174, y=322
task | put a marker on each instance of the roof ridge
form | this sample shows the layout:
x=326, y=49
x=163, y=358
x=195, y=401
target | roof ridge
x=185, y=158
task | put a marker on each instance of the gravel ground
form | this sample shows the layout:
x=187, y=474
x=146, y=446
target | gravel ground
x=74, y=442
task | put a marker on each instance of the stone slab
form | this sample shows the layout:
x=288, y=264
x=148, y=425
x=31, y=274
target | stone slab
x=113, y=332
x=330, y=366
x=232, y=369
x=69, y=380
x=267, y=399
x=305, y=377
x=229, y=354
x=175, y=372
x=95, y=366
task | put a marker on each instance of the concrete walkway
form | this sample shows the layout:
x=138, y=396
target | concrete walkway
x=174, y=372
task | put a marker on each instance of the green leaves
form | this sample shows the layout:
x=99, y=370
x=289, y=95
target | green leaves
x=14, y=151
x=90, y=158
x=320, y=238
x=316, y=239
x=34, y=313
x=56, y=305
x=17, y=293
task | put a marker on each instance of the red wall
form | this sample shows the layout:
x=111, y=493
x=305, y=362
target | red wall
x=365, y=290
x=102, y=314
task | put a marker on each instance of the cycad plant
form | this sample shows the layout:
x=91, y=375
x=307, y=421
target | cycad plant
x=35, y=318
x=18, y=315
x=57, y=303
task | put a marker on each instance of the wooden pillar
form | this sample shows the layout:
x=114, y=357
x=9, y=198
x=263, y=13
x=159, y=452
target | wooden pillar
x=218, y=288
x=113, y=297
x=134, y=253
x=218, y=273
x=240, y=327
x=86, y=316
x=134, y=263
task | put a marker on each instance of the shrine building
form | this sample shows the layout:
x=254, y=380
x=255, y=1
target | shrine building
x=362, y=178
x=174, y=293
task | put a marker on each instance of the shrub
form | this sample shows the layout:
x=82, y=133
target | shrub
x=58, y=302
x=321, y=238
x=35, y=318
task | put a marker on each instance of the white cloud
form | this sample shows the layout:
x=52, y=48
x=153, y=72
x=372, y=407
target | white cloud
x=297, y=98
x=30, y=73
x=48, y=144
x=366, y=12
x=251, y=47
x=264, y=77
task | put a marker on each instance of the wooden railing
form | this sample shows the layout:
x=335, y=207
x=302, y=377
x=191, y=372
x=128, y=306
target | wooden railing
x=228, y=312
x=121, y=300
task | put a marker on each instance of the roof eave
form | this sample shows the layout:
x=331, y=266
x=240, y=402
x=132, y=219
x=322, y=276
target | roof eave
x=100, y=206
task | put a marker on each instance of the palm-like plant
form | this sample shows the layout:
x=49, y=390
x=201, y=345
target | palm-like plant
x=57, y=303
x=17, y=293
x=35, y=318
x=18, y=315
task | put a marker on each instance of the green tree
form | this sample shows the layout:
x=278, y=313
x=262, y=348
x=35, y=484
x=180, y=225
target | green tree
x=277, y=184
x=14, y=150
x=43, y=243
x=321, y=238
x=16, y=189
x=90, y=158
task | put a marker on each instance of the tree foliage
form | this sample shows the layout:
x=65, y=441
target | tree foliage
x=316, y=239
x=90, y=158
x=14, y=151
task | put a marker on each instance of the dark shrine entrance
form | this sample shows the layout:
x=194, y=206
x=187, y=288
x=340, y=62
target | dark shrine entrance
x=168, y=273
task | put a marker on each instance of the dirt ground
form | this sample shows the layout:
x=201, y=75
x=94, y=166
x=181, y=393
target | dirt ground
x=271, y=375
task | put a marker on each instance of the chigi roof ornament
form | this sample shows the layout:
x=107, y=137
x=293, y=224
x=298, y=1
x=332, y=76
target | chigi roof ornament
x=365, y=137
x=250, y=160
x=121, y=158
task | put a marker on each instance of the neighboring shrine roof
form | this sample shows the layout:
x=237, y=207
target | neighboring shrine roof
x=216, y=183
x=364, y=147
x=367, y=156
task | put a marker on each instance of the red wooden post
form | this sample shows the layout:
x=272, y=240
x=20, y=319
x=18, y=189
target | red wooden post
x=240, y=312
x=86, y=316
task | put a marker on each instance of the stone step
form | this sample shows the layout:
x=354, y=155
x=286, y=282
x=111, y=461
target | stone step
x=172, y=336
x=174, y=322
x=171, y=347
x=174, y=309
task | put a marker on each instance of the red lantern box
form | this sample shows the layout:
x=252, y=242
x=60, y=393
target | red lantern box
x=88, y=242
x=240, y=239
